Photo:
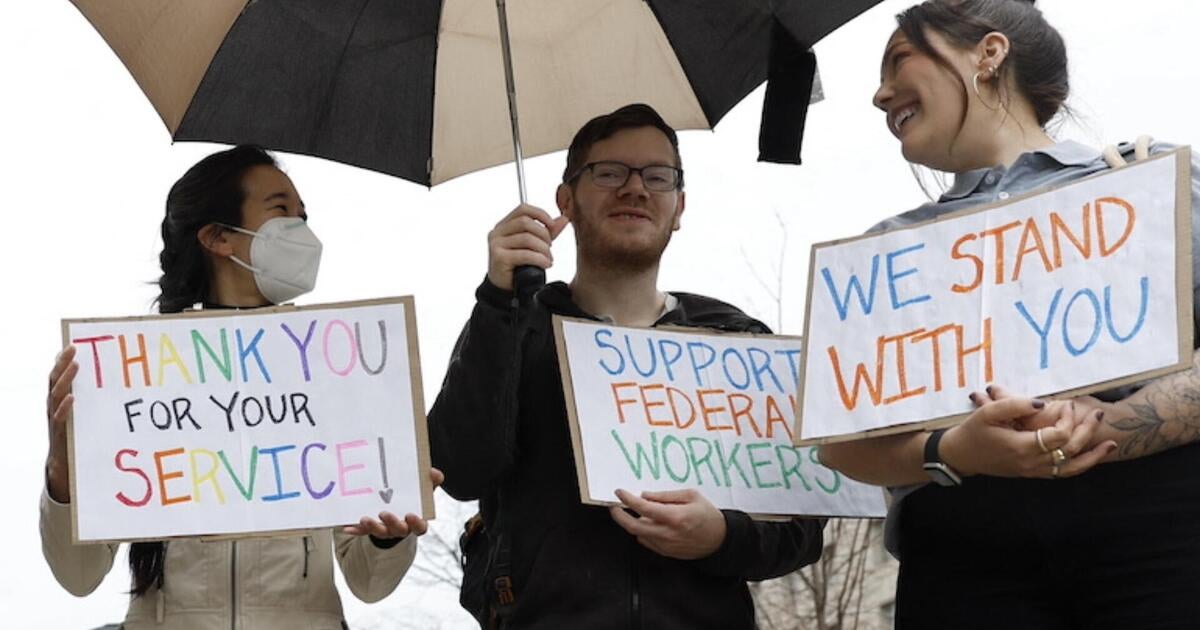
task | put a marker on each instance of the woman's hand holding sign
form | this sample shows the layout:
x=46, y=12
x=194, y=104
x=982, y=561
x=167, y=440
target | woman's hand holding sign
x=1009, y=436
x=389, y=525
x=58, y=408
x=679, y=524
x=999, y=439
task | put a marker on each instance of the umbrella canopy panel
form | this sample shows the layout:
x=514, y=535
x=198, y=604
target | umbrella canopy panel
x=415, y=88
x=347, y=80
x=810, y=20
x=572, y=60
x=167, y=46
x=350, y=81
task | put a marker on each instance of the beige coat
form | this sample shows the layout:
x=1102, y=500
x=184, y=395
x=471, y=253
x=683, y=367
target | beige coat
x=258, y=583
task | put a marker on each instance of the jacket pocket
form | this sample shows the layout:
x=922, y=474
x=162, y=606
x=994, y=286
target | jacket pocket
x=280, y=573
x=191, y=574
x=556, y=579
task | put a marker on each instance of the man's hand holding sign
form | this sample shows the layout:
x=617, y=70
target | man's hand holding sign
x=679, y=524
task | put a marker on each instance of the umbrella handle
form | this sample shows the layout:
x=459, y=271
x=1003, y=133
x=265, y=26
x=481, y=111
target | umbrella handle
x=527, y=279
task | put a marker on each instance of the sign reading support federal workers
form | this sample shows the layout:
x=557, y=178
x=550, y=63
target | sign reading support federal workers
x=680, y=408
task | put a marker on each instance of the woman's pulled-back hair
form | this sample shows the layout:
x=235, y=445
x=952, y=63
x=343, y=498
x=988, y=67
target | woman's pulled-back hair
x=1037, y=57
x=209, y=192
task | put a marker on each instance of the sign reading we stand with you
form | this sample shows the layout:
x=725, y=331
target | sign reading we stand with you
x=1068, y=291
x=238, y=422
x=682, y=408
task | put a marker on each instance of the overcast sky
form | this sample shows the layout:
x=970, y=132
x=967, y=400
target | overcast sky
x=87, y=163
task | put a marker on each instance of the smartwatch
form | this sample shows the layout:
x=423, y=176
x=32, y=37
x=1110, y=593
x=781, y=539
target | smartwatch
x=940, y=472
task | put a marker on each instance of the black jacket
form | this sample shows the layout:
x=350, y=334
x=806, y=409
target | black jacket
x=572, y=566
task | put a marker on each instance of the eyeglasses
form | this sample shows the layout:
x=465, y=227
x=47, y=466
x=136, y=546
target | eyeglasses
x=656, y=177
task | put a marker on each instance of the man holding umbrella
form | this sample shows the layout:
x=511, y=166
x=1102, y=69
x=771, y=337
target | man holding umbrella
x=499, y=426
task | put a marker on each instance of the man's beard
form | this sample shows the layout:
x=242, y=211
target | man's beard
x=609, y=251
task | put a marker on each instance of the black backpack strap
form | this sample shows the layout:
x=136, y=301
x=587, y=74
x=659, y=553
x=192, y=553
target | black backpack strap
x=500, y=567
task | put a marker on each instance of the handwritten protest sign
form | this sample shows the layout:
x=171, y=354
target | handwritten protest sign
x=236, y=422
x=1068, y=291
x=668, y=409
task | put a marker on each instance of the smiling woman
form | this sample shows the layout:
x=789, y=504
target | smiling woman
x=927, y=79
x=968, y=87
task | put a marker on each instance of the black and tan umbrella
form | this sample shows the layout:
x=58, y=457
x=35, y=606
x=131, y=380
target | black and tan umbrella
x=416, y=88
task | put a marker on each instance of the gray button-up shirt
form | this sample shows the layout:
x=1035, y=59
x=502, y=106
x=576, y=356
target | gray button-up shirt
x=1046, y=168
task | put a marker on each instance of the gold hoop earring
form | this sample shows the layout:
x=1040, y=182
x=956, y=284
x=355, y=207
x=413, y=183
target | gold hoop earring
x=975, y=86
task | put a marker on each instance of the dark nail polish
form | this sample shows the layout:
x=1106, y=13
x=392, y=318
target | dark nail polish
x=972, y=397
x=1099, y=416
x=1038, y=404
x=989, y=391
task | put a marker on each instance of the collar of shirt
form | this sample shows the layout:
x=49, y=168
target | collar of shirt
x=669, y=304
x=1066, y=153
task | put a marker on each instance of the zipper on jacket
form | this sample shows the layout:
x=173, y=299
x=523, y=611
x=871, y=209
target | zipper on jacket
x=160, y=603
x=304, y=541
x=233, y=585
x=635, y=598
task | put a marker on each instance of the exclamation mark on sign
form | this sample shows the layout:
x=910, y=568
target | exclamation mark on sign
x=386, y=493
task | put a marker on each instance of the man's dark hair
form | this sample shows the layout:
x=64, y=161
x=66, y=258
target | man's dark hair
x=604, y=127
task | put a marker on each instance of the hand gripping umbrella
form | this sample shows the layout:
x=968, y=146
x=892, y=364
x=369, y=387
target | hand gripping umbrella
x=411, y=87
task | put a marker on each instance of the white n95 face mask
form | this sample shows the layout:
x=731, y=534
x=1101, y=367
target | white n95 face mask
x=284, y=258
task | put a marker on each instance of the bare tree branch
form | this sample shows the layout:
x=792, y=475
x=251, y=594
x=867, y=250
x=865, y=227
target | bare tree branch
x=831, y=593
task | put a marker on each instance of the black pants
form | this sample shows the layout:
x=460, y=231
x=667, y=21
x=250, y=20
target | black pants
x=1115, y=548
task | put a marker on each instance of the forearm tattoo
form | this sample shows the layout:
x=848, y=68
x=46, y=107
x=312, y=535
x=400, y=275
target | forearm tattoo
x=1162, y=415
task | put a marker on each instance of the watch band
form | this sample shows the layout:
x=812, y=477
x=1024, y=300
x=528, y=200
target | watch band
x=931, y=446
x=939, y=471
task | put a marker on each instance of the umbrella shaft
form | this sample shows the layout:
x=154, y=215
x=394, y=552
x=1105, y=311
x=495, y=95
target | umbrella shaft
x=506, y=51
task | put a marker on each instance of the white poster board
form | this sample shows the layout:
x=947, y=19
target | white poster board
x=675, y=408
x=1068, y=291
x=225, y=422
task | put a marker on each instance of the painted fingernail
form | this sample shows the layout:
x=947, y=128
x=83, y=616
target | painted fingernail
x=989, y=391
x=1038, y=404
x=972, y=397
x=1099, y=416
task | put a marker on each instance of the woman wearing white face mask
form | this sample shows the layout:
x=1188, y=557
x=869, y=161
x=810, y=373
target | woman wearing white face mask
x=235, y=235
x=285, y=253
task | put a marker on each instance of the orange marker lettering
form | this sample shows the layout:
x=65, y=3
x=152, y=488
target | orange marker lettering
x=708, y=410
x=648, y=404
x=621, y=402
x=159, y=456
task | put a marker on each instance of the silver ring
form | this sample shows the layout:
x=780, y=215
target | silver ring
x=1041, y=444
x=1059, y=456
